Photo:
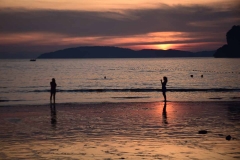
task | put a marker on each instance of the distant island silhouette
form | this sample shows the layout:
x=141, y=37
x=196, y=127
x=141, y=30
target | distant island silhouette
x=232, y=48
x=116, y=52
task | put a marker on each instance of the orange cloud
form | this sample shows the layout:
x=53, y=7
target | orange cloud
x=154, y=40
x=103, y=4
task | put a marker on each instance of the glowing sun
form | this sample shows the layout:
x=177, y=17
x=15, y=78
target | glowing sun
x=163, y=46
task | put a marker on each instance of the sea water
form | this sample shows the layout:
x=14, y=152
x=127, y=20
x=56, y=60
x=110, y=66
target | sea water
x=119, y=80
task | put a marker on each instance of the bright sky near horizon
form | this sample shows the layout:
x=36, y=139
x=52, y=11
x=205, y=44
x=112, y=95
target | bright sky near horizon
x=103, y=4
x=31, y=27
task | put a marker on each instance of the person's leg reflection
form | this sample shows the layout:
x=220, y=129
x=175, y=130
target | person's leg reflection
x=53, y=115
x=164, y=113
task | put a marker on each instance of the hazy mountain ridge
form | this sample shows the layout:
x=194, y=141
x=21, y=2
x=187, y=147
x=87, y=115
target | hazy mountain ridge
x=116, y=52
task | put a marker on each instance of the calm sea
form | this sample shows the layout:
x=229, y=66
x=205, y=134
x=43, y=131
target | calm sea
x=134, y=80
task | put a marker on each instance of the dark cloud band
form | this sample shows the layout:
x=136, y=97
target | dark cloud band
x=128, y=22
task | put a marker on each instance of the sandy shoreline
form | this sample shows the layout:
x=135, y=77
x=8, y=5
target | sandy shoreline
x=139, y=130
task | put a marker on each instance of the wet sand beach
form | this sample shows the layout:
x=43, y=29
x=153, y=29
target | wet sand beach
x=131, y=130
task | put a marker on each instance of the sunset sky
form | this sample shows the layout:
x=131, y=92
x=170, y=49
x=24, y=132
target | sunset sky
x=31, y=27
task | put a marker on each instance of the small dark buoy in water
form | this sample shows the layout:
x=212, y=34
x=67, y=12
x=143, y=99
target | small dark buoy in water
x=191, y=75
x=202, y=132
x=228, y=138
x=201, y=76
x=105, y=77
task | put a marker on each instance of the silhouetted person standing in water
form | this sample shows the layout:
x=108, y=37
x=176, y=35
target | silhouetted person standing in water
x=164, y=89
x=53, y=90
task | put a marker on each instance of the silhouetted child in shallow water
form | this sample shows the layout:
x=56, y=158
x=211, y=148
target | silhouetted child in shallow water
x=164, y=89
x=53, y=90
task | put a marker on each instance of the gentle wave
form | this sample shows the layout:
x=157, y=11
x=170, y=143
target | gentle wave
x=143, y=90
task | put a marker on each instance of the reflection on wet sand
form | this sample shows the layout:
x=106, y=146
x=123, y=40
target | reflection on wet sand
x=120, y=131
x=164, y=113
x=53, y=115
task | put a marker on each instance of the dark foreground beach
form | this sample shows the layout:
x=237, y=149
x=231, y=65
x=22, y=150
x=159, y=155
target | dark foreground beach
x=108, y=131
